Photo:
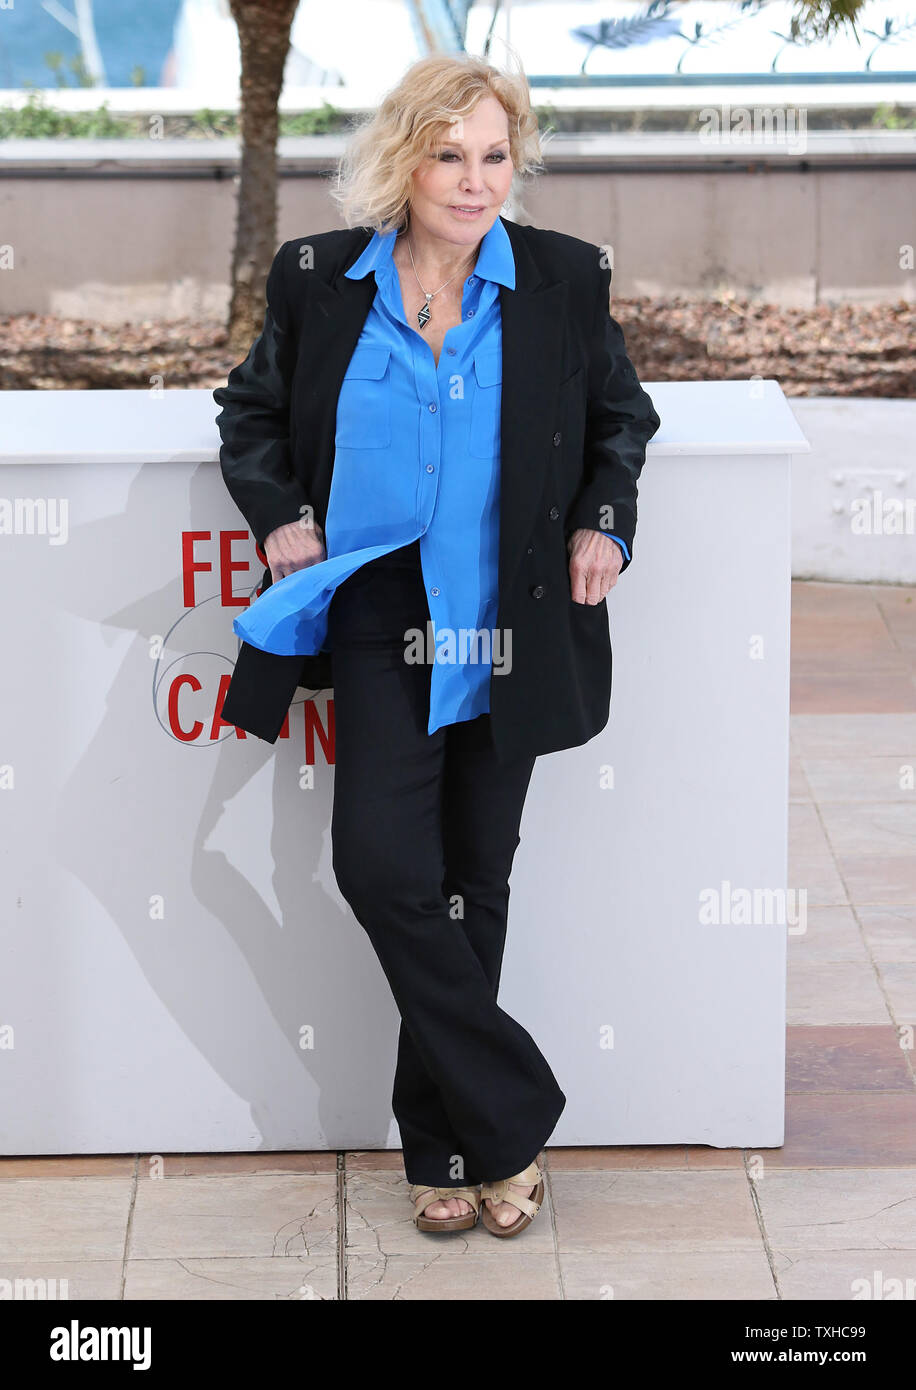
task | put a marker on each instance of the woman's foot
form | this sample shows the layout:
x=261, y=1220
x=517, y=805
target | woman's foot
x=445, y=1208
x=504, y=1213
x=511, y=1204
x=453, y=1206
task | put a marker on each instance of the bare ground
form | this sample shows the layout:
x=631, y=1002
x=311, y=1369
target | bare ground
x=833, y=350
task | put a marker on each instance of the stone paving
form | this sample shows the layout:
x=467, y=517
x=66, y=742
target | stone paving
x=836, y=1205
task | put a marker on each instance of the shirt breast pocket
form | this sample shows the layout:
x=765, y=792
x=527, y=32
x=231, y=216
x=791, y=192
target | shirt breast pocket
x=364, y=402
x=485, y=407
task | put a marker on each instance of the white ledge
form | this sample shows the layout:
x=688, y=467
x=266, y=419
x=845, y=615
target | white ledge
x=40, y=427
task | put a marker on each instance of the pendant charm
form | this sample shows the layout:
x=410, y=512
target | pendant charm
x=423, y=316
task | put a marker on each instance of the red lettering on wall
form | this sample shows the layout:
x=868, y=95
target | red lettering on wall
x=190, y=566
x=228, y=566
x=325, y=737
x=196, y=729
x=316, y=734
x=219, y=723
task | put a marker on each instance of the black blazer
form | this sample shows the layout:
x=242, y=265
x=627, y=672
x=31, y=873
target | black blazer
x=574, y=427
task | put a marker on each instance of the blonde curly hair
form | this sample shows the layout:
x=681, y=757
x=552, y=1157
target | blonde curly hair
x=374, y=173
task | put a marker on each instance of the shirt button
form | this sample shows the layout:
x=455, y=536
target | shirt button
x=531, y=550
x=557, y=437
x=433, y=407
x=470, y=313
x=430, y=468
x=472, y=280
x=553, y=513
x=434, y=591
x=538, y=591
x=451, y=351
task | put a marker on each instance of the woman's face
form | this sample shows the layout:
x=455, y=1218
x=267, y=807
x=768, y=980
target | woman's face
x=458, y=190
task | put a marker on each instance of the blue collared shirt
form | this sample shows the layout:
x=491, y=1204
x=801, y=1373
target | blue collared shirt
x=417, y=456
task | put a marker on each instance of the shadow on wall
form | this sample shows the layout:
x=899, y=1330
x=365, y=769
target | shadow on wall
x=254, y=943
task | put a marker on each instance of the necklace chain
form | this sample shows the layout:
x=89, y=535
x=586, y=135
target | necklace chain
x=425, y=314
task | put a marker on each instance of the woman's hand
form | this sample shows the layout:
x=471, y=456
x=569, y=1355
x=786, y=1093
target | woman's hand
x=294, y=547
x=594, y=565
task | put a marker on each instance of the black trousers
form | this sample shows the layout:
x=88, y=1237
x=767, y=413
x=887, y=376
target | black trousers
x=424, y=831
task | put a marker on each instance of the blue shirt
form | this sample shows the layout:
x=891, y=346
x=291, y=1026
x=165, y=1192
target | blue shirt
x=417, y=455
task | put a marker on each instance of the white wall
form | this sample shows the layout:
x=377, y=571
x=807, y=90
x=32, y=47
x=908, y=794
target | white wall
x=854, y=495
x=169, y=920
x=154, y=220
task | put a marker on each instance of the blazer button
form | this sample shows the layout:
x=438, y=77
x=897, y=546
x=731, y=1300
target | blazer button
x=531, y=550
x=554, y=513
x=538, y=591
x=557, y=437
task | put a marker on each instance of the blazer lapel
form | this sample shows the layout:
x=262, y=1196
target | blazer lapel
x=337, y=312
x=532, y=338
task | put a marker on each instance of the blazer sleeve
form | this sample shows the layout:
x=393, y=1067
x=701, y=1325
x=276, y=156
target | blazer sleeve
x=254, y=422
x=620, y=421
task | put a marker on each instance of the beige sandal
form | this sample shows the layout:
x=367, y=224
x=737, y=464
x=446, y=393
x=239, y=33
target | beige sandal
x=528, y=1207
x=423, y=1197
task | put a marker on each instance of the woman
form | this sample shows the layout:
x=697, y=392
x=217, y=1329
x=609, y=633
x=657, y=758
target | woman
x=436, y=440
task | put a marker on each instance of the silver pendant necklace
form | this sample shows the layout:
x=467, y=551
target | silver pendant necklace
x=425, y=314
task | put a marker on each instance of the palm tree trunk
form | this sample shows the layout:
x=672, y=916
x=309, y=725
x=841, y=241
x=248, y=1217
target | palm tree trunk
x=264, y=30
